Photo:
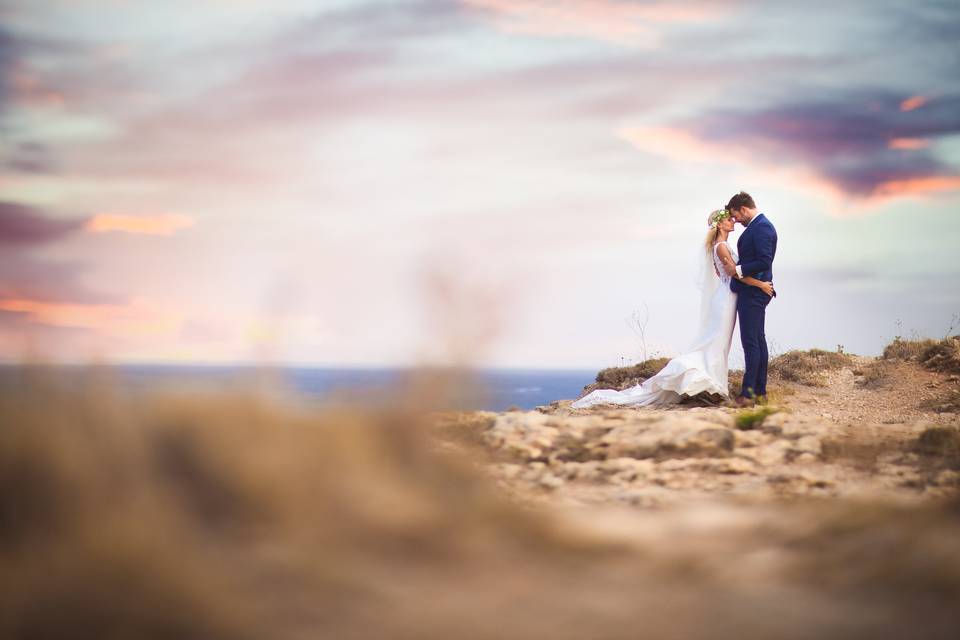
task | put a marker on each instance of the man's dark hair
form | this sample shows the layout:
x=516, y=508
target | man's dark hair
x=742, y=199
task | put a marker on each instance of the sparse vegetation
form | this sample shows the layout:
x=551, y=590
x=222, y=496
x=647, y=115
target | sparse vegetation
x=753, y=418
x=735, y=381
x=618, y=377
x=943, y=356
x=874, y=375
x=902, y=349
x=935, y=355
x=807, y=367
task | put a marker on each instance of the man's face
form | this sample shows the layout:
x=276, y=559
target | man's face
x=743, y=215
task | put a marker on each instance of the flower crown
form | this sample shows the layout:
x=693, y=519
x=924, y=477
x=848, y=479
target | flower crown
x=717, y=216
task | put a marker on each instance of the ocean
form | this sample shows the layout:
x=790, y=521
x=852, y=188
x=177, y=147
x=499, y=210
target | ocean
x=498, y=389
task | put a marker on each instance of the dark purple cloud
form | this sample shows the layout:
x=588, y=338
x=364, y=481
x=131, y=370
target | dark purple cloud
x=847, y=139
x=22, y=225
x=28, y=277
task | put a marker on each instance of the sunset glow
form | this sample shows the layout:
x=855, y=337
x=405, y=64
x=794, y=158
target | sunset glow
x=212, y=181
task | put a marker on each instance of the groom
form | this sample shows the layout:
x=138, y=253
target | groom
x=756, y=248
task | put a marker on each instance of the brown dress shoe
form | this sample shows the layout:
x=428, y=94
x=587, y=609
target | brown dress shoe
x=745, y=402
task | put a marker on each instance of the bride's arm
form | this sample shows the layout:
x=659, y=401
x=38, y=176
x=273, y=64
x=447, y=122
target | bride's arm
x=726, y=258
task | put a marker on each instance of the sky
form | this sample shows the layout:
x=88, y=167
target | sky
x=521, y=183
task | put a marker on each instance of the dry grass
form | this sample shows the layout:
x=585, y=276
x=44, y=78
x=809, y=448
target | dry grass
x=620, y=377
x=807, y=367
x=902, y=349
x=874, y=375
x=943, y=356
x=935, y=355
x=226, y=516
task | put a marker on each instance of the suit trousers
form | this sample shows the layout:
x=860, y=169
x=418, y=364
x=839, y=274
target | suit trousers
x=751, y=313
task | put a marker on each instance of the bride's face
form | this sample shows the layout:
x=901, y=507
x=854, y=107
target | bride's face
x=727, y=224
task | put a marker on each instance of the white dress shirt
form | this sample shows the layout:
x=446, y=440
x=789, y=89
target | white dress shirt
x=739, y=270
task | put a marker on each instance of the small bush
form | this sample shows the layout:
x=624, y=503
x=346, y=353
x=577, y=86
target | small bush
x=753, y=418
x=616, y=377
x=943, y=355
x=874, y=374
x=807, y=367
x=901, y=349
x=735, y=381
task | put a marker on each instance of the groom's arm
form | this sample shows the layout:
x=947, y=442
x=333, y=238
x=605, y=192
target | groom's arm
x=763, y=242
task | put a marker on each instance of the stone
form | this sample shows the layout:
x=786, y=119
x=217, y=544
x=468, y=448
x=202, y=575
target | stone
x=672, y=438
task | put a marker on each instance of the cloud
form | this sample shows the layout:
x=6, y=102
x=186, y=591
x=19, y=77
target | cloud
x=28, y=157
x=913, y=102
x=22, y=225
x=861, y=147
x=908, y=143
x=164, y=224
x=625, y=22
x=136, y=318
x=23, y=276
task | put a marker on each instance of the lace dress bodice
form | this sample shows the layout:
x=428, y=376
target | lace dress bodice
x=718, y=264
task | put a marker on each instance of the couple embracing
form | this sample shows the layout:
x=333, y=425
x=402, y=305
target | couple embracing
x=735, y=284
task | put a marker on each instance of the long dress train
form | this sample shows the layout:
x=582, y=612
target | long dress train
x=703, y=367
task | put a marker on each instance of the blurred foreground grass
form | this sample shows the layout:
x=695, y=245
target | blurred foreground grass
x=226, y=515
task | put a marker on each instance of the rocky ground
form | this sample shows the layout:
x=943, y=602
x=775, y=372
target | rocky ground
x=845, y=436
x=843, y=501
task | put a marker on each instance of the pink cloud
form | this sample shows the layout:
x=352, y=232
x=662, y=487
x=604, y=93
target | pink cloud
x=163, y=224
x=620, y=21
x=683, y=146
x=913, y=102
x=908, y=144
x=139, y=318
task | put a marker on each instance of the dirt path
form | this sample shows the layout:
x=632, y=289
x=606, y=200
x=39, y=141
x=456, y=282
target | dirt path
x=849, y=400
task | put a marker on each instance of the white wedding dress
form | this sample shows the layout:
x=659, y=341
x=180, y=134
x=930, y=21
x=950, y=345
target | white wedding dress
x=703, y=367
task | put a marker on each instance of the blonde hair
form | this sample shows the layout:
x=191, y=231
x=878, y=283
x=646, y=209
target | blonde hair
x=712, y=234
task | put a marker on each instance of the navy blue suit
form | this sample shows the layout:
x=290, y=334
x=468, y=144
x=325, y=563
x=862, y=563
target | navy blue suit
x=756, y=248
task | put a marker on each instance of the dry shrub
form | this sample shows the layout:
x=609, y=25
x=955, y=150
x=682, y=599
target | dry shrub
x=620, y=377
x=901, y=349
x=874, y=375
x=943, y=356
x=734, y=381
x=807, y=367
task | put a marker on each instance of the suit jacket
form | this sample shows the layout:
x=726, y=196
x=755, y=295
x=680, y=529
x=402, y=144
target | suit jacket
x=756, y=248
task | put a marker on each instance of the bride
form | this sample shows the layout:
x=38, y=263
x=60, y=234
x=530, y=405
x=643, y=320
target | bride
x=704, y=366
